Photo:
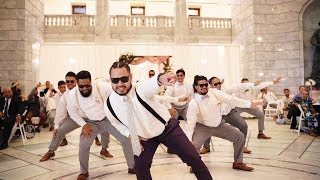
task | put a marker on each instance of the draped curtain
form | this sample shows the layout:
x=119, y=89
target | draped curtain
x=210, y=60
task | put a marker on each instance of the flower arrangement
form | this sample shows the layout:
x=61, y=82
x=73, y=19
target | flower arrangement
x=310, y=82
x=167, y=67
x=127, y=57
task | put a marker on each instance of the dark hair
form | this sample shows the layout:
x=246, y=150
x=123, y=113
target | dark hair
x=244, y=79
x=198, y=78
x=286, y=89
x=83, y=75
x=61, y=83
x=181, y=71
x=151, y=70
x=71, y=74
x=301, y=86
x=210, y=80
x=119, y=64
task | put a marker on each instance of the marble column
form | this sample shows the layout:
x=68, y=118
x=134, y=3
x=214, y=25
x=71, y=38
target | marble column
x=268, y=34
x=181, y=22
x=21, y=35
x=102, y=28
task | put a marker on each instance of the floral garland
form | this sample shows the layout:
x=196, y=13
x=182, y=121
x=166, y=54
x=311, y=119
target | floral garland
x=127, y=58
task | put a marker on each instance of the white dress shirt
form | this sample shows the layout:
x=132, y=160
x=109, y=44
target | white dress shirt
x=179, y=90
x=248, y=94
x=147, y=125
x=232, y=90
x=61, y=111
x=91, y=107
x=206, y=109
x=268, y=97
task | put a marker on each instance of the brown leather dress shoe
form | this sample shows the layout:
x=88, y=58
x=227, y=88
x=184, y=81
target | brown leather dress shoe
x=131, y=171
x=204, y=150
x=242, y=166
x=263, y=136
x=105, y=153
x=64, y=142
x=47, y=156
x=51, y=129
x=83, y=176
x=246, y=150
x=98, y=143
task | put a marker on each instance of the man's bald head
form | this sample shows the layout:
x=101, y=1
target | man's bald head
x=7, y=92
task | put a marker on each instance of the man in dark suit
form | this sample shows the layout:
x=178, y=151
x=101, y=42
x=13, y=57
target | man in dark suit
x=11, y=109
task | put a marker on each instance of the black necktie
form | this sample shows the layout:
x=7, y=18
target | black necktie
x=6, y=108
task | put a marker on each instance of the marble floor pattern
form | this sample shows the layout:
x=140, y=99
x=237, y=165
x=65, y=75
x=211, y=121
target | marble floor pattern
x=285, y=156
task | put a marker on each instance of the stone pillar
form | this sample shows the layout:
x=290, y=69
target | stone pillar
x=102, y=28
x=268, y=34
x=21, y=33
x=181, y=22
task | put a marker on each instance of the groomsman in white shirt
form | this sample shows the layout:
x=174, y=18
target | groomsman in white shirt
x=180, y=89
x=86, y=108
x=135, y=112
x=205, y=119
x=63, y=124
x=229, y=112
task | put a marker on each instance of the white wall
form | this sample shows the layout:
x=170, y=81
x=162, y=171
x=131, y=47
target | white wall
x=64, y=7
x=209, y=8
x=208, y=60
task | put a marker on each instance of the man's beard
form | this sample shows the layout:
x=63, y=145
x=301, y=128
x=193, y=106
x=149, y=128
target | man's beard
x=125, y=92
x=201, y=93
x=86, y=94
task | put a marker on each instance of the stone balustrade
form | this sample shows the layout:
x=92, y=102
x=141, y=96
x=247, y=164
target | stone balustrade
x=157, y=28
x=141, y=21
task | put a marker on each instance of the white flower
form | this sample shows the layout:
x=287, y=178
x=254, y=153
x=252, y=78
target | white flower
x=312, y=82
x=307, y=83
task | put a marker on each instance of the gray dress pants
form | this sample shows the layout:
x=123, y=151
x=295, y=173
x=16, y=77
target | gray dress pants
x=224, y=131
x=235, y=120
x=68, y=125
x=99, y=127
x=255, y=112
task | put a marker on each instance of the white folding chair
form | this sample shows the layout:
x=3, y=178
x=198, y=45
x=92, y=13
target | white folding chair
x=299, y=120
x=19, y=126
x=270, y=112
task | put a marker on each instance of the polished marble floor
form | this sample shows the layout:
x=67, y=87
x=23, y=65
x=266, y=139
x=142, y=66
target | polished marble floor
x=285, y=156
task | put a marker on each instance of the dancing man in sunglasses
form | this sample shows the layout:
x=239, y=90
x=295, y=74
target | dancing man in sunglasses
x=205, y=119
x=63, y=124
x=135, y=112
x=86, y=108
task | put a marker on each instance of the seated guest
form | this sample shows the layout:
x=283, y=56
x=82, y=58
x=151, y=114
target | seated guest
x=267, y=97
x=285, y=101
x=15, y=87
x=11, y=109
x=35, y=107
x=293, y=110
x=311, y=117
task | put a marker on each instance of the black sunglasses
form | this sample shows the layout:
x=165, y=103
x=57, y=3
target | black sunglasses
x=69, y=81
x=203, y=85
x=216, y=84
x=151, y=74
x=123, y=79
x=83, y=86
